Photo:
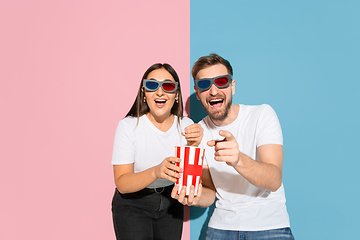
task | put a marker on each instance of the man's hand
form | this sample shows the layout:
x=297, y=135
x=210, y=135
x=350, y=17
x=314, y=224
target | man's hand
x=226, y=150
x=190, y=200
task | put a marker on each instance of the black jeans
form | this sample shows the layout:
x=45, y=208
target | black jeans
x=150, y=214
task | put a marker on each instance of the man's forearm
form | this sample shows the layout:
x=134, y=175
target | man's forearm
x=263, y=175
x=207, y=197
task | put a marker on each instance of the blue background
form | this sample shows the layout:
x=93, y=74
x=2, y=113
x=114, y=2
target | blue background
x=302, y=58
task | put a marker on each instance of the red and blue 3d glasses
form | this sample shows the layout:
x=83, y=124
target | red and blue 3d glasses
x=153, y=85
x=204, y=84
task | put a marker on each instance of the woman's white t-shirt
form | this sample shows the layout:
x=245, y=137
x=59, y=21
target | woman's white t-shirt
x=146, y=146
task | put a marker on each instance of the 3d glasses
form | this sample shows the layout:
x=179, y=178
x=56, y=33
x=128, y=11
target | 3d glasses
x=204, y=84
x=153, y=85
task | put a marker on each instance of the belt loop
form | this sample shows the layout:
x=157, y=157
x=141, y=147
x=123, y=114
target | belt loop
x=162, y=189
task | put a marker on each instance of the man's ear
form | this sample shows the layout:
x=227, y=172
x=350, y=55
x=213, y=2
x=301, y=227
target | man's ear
x=197, y=94
x=233, y=87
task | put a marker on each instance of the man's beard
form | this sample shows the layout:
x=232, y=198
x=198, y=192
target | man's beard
x=221, y=114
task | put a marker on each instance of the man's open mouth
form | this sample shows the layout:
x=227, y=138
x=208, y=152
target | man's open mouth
x=216, y=101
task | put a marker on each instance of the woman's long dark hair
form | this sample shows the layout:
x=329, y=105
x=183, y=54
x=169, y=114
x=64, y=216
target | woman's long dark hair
x=140, y=107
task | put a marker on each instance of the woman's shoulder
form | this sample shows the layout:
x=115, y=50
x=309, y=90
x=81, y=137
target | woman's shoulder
x=128, y=122
x=186, y=121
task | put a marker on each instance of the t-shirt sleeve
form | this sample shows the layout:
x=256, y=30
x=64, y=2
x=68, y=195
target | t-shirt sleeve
x=124, y=149
x=185, y=122
x=204, y=140
x=268, y=130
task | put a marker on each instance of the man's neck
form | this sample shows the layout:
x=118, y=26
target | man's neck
x=231, y=117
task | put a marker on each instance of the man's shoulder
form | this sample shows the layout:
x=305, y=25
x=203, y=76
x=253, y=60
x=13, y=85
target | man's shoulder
x=206, y=122
x=254, y=107
x=246, y=111
x=255, y=110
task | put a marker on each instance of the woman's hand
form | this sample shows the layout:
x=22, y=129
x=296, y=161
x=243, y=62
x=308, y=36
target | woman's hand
x=194, y=134
x=168, y=170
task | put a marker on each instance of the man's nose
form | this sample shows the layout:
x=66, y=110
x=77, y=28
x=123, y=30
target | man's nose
x=213, y=90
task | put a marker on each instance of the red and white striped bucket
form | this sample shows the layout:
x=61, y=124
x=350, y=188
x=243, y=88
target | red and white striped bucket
x=191, y=163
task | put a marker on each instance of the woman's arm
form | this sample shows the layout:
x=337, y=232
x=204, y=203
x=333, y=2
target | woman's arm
x=127, y=181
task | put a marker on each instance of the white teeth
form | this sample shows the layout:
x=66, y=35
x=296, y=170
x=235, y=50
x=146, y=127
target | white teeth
x=160, y=101
x=215, y=101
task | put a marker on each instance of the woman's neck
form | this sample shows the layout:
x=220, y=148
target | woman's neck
x=161, y=123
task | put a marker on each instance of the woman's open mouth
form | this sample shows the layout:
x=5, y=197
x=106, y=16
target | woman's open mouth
x=160, y=102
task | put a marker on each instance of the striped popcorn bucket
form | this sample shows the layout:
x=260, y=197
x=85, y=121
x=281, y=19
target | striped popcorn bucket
x=191, y=163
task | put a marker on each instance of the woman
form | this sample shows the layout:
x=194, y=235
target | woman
x=144, y=169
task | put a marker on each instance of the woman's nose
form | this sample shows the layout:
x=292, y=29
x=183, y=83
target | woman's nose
x=160, y=91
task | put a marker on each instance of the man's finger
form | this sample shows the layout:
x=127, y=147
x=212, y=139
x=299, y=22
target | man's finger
x=225, y=159
x=224, y=152
x=199, y=191
x=191, y=195
x=228, y=136
x=174, y=191
x=211, y=143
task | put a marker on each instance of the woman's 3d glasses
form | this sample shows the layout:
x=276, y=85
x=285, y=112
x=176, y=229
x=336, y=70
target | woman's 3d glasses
x=153, y=85
x=204, y=84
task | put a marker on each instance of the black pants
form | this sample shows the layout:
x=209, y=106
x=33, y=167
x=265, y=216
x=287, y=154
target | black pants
x=150, y=214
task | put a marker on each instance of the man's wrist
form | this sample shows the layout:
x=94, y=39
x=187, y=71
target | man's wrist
x=234, y=164
x=197, y=204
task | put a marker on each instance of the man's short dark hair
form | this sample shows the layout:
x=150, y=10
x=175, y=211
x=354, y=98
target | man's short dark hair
x=208, y=61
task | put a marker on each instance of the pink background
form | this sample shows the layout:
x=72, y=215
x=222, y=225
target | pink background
x=69, y=72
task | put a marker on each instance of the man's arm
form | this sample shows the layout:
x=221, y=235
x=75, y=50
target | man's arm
x=206, y=192
x=266, y=174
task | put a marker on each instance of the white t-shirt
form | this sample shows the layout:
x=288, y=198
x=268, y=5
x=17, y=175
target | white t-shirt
x=145, y=145
x=241, y=206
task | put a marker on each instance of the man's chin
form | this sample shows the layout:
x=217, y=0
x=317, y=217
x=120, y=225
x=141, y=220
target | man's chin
x=218, y=115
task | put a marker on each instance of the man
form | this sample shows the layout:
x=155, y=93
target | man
x=244, y=158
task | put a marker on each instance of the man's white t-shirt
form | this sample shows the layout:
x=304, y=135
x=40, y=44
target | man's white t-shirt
x=240, y=205
x=146, y=146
